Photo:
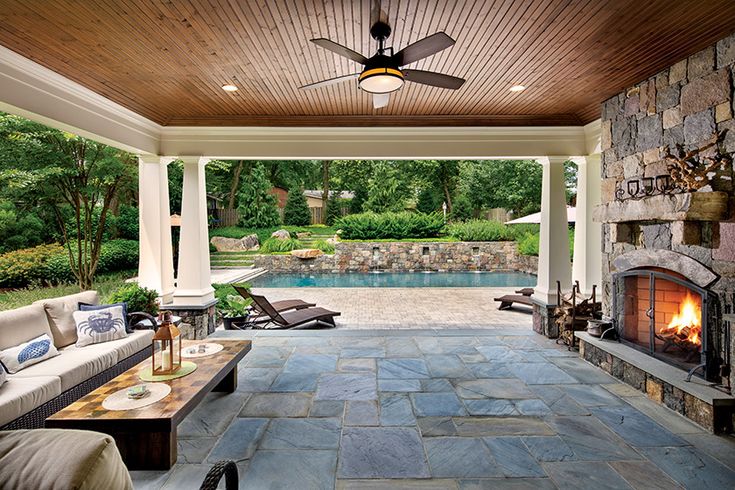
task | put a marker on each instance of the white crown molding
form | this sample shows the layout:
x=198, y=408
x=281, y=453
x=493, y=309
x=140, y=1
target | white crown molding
x=593, y=133
x=373, y=142
x=31, y=90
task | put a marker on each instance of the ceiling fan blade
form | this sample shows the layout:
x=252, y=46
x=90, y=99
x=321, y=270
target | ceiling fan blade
x=331, y=81
x=434, y=79
x=340, y=50
x=380, y=100
x=423, y=48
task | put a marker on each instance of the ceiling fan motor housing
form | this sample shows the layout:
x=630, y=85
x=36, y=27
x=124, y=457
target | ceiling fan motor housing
x=381, y=75
x=380, y=31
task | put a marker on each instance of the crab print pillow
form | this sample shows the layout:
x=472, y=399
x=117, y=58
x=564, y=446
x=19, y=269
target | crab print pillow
x=24, y=355
x=103, y=325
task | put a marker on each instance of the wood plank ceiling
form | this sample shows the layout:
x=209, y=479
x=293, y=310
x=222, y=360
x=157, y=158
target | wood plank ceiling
x=167, y=60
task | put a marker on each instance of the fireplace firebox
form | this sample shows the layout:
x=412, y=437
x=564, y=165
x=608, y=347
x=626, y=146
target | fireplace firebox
x=663, y=314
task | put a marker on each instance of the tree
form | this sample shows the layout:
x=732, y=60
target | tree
x=509, y=184
x=386, y=190
x=325, y=189
x=296, y=212
x=67, y=173
x=334, y=209
x=428, y=201
x=258, y=208
x=462, y=209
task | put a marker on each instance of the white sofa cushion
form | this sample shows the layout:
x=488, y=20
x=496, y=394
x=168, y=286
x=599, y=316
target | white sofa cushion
x=61, y=458
x=97, y=326
x=75, y=365
x=126, y=347
x=22, y=324
x=59, y=313
x=134, y=342
x=20, y=395
x=28, y=353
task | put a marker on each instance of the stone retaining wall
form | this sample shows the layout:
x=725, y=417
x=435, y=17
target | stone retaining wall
x=408, y=256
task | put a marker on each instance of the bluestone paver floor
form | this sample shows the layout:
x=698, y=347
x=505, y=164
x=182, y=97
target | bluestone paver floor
x=437, y=408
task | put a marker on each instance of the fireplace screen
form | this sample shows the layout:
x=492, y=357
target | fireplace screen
x=663, y=315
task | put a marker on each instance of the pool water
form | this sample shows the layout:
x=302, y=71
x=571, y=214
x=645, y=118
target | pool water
x=395, y=280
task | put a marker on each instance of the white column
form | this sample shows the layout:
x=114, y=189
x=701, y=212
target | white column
x=587, y=264
x=156, y=263
x=194, y=284
x=553, y=263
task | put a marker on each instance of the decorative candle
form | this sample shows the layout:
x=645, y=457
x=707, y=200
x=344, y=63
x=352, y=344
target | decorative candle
x=166, y=359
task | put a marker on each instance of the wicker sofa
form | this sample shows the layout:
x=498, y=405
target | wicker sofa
x=28, y=397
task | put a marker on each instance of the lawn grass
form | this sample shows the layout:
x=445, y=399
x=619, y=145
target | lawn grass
x=104, y=284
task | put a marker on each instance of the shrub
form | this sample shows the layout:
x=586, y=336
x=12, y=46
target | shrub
x=27, y=266
x=137, y=298
x=296, y=212
x=49, y=264
x=117, y=255
x=367, y=226
x=258, y=207
x=275, y=245
x=230, y=304
x=528, y=245
x=127, y=223
x=477, y=230
x=324, y=246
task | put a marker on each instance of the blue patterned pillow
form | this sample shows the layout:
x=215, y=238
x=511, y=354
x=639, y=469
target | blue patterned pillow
x=88, y=307
x=29, y=353
x=95, y=326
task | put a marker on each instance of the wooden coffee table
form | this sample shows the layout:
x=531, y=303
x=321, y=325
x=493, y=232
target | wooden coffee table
x=146, y=437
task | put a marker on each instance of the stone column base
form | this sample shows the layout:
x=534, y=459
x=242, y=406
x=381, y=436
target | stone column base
x=544, y=321
x=197, y=322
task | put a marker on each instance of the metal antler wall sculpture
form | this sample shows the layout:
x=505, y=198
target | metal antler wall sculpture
x=689, y=169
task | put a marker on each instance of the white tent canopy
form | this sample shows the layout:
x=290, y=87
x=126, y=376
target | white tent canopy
x=536, y=217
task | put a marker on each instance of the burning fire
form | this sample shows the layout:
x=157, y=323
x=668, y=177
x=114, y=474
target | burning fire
x=687, y=324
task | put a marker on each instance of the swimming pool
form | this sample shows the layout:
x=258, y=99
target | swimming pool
x=395, y=280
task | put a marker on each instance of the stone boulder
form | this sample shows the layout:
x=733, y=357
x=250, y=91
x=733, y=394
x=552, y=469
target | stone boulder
x=303, y=234
x=281, y=234
x=307, y=253
x=246, y=243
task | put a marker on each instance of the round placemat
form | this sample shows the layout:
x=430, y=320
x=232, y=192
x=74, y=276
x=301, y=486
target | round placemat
x=211, y=348
x=120, y=401
x=187, y=367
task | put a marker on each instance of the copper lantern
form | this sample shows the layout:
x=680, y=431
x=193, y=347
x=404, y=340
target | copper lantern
x=166, y=347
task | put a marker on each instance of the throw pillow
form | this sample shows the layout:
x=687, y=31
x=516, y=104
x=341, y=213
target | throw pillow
x=88, y=307
x=95, y=326
x=29, y=353
x=3, y=373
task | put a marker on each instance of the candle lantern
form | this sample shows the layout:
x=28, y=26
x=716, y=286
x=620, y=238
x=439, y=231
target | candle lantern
x=166, y=347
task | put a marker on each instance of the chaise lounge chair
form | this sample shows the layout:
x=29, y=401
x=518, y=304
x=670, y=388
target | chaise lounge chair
x=322, y=318
x=279, y=306
x=522, y=296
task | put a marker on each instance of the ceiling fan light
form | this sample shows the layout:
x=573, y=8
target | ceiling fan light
x=381, y=80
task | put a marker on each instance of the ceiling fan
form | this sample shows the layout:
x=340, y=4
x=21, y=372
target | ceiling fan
x=382, y=73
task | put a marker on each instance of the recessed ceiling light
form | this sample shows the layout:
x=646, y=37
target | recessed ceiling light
x=517, y=88
x=229, y=88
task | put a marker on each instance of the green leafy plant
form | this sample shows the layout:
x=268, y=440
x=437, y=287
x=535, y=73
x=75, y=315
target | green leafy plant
x=276, y=245
x=480, y=231
x=324, y=246
x=24, y=267
x=366, y=226
x=137, y=298
x=528, y=245
x=296, y=212
x=233, y=306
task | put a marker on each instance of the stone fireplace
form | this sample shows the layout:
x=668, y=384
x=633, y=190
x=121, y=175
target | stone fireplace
x=660, y=310
x=669, y=252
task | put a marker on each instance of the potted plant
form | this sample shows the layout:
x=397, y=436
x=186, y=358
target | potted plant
x=234, y=311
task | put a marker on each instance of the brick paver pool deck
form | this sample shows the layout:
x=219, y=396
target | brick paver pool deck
x=437, y=408
x=400, y=308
